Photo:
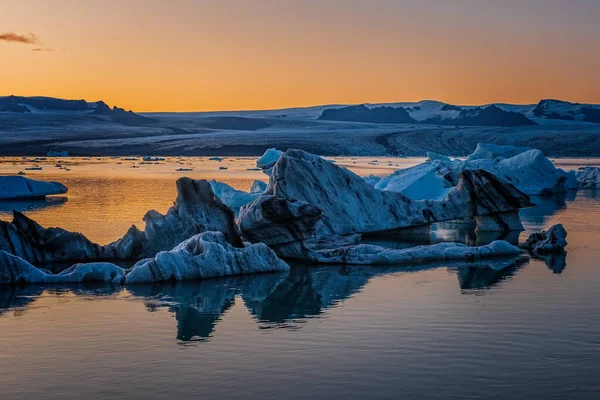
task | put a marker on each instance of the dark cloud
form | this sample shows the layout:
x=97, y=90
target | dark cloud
x=15, y=38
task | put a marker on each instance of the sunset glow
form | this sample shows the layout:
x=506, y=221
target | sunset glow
x=224, y=55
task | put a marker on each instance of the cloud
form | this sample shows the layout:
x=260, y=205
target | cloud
x=15, y=38
x=43, y=49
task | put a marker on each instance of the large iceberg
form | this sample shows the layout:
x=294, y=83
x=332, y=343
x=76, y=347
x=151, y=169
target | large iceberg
x=206, y=255
x=527, y=169
x=310, y=197
x=196, y=210
x=19, y=187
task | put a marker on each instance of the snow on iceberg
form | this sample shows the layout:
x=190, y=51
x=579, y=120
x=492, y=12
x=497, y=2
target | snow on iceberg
x=206, y=255
x=19, y=187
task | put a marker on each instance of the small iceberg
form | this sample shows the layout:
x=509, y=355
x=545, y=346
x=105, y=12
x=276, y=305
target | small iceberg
x=52, y=153
x=207, y=255
x=19, y=187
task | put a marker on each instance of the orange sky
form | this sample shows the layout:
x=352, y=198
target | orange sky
x=185, y=55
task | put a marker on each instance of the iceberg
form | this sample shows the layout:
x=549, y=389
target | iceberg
x=15, y=270
x=526, y=169
x=268, y=159
x=588, y=177
x=310, y=197
x=206, y=255
x=489, y=151
x=363, y=254
x=196, y=210
x=553, y=240
x=427, y=181
x=19, y=187
x=52, y=153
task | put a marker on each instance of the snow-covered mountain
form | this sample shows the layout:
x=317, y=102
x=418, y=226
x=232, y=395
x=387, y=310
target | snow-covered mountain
x=563, y=110
x=51, y=105
x=36, y=125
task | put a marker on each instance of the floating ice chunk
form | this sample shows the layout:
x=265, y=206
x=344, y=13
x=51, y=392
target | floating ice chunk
x=206, y=255
x=19, y=187
x=530, y=172
x=421, y=182
x=370, y=254
x=488, y=151
x=269, y=158
x=588, y=177
x=52, y=153
x=15, y=270
x=431, y=156
x=553, y=240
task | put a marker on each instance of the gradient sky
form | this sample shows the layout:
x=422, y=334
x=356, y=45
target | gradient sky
x=184, y=55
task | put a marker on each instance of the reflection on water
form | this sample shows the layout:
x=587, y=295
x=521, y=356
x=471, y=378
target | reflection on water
x=277, y=300
x=512, y=328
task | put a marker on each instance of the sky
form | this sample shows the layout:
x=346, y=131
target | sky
x=202, y=55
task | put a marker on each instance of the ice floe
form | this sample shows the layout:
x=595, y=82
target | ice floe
x=206, y=255
x=553, y=240
x=588, y=177
x=19, y=187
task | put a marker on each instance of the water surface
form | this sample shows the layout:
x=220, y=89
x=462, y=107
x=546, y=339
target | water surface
x=528, y=331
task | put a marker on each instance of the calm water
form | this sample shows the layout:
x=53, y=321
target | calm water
x=531, y=330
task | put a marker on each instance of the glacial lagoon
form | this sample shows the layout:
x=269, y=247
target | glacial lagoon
x=426, y=331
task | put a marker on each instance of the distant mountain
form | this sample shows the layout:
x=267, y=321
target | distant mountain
x=481, y=116
x=46, y=105
x=448, y=115
x=37, y=125
x=361, y=113
x=563, y=110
